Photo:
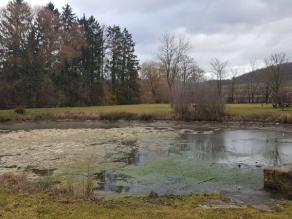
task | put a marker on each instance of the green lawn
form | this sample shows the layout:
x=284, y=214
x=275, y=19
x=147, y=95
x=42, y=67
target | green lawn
x=250, y=109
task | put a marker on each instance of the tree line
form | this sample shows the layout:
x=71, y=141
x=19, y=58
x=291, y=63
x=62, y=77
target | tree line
x=175, y=67
x=54, y=58
x=267, y=84
x=193, y=97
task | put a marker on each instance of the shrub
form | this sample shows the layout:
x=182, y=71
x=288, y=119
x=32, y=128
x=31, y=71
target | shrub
x=116, y=116
x=11, y=183
x=200, y=102
x=14, y=183
x=5, y=118
x=147, y=117
x=20, y=110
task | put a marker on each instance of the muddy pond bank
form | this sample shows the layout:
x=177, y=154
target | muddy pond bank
x=91, y=124
x=130, y=158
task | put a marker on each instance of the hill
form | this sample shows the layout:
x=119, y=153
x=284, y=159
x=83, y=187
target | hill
x=260, y=75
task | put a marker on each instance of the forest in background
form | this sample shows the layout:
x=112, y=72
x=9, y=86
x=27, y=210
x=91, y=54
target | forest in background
x=52, y=58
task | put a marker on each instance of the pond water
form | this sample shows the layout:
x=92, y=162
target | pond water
x=135, y=159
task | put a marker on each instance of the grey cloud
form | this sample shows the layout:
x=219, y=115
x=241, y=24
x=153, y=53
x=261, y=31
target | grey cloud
x=236, y=30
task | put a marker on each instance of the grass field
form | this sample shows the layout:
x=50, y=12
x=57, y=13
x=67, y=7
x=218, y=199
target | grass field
x=143, y=108
x=43, y=206
x=236, y=111
x=248, y=109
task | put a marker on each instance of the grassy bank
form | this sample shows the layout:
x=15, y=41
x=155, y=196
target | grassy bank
x=43, y=206
x=257, y=113
x=142, y=108
x=129, y=112
x=234, y=112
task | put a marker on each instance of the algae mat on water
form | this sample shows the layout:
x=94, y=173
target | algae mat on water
x=176, y=175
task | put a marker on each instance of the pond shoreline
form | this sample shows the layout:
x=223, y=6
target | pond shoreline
x=43, y=156
x=244, y=113
x=92, y=124
x=44, y=205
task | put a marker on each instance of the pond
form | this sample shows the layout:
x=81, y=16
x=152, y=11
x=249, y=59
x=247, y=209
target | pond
x=137, y=158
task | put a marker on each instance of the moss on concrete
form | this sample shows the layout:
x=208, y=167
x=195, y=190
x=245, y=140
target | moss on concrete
x=279, y=179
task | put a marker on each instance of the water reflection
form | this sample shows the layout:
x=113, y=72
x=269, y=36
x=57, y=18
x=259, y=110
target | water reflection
x=274, y=156
x=249, y=147
x=109, y=181
x=203, y=147
x=176, y=164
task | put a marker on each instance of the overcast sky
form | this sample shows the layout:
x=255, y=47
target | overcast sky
x=233, y=30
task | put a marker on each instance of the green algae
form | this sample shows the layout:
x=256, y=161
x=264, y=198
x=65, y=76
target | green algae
x=187, y=172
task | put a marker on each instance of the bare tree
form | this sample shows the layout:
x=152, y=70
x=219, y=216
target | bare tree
x=151, y=73
x=50, y=32
x=218, y=69
x=267, y=89
x=189, y=71
x=252, y=84
x=15, y=30
x=234, y=74
x=274, y=68
x=171, y=53
x=189, y=77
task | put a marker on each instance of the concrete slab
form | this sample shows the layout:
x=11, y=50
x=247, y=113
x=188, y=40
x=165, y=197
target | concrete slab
x=279, y=179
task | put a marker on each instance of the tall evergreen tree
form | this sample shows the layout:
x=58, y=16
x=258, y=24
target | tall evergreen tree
x=123, y=66
x=130, y=88
x=91, y=59
x=50, y=6
x=68, y=17
x=34, y=70
x=115, y=58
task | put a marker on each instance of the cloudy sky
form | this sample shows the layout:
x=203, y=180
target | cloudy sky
x=233, y=30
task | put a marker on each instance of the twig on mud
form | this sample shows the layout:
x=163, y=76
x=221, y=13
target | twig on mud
x=207, y=180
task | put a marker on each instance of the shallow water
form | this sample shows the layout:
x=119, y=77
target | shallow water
x=138, y=159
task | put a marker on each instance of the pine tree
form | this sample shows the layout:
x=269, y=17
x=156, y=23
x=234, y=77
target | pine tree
x=114, y=59
x=68, y=17
x=131, y=87
x=34, y=70
x=123, y=66
x=91, y=60
x=50, y=6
